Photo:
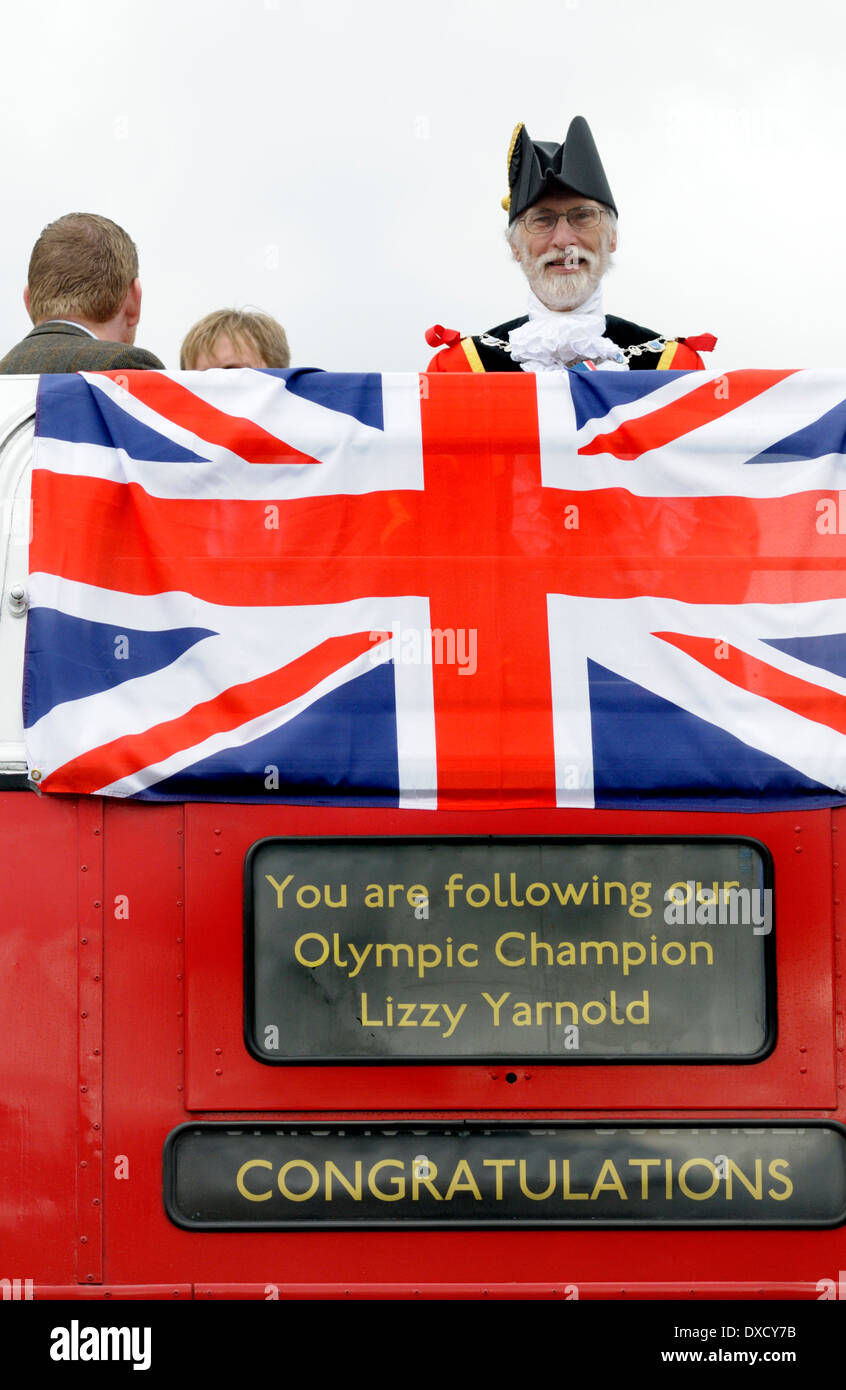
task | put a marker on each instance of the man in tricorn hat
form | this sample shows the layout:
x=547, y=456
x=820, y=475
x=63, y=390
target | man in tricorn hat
x=562, y=229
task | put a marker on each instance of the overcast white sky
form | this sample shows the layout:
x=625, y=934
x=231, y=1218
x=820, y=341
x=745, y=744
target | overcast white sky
x=340, y=164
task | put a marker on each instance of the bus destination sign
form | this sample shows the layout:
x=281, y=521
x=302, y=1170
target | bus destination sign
x=273, y=1176
x=505, y=949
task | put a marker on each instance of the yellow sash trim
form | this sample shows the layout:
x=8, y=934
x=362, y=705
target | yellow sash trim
x=666, y=359
x=471, y=352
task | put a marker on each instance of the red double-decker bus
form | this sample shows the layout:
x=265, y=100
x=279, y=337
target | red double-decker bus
x=298, y=1051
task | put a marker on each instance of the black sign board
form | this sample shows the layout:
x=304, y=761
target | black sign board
x=273, y=1177
x=564, y=950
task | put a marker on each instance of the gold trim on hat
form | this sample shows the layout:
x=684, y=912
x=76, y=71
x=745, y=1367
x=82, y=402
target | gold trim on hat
x=506, y=202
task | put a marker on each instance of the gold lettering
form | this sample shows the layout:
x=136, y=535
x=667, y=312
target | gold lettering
x=453, y=1018
x=298, y=949
x=599, y=947
x=509, y=936
x=612, y=883
x=643, y=1164
x=399, y=1183
x=612, y=1183
x=418, y=1180
x=780, y=1177
x=639, y=907
x=283, y=1185
x=537, y=1196
x=694, y=1163
x=280, y=888
x=424, y=951
x=478, y=895
x=366, y=1021
x=538, y=946
x=392, y=949
x=332, y=1170
x=566, y=1193
x=756, y=1188
x=634, y=953
x=566, y=1004
x=463, y=1181
x=643, y=1005
x=498, y=1164
x=496, y=1004
x=239, y=1181
x=570, y=894
x=360, y=956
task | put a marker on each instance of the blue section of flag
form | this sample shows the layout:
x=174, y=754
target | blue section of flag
x=593, y=398
x=648, y=750
x=827, y=435
x=351, y=393
x=68, y=658
x=827, y=652
x=341, y=751
x=64, y=411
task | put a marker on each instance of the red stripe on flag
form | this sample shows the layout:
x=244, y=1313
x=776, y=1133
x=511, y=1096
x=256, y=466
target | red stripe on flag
x=182, y=407
x=331, y=549
x=677, y=418
x=229, y=710
x=748, y=673
x=493, y=724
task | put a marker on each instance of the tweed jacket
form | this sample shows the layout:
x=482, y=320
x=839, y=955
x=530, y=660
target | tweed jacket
x=62, y=347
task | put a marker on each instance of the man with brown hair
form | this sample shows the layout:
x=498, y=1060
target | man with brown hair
x=84, y=297
x=235, y=338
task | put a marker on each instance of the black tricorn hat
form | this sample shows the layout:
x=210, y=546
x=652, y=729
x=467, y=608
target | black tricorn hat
x=536, y=167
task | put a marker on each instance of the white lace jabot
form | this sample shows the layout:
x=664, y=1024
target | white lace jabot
x=553, y=339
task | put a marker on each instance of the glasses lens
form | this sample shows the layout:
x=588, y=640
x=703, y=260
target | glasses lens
x=540, y=221
x=582, y=218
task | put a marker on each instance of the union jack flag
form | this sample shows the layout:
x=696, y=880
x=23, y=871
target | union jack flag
x=569, y=589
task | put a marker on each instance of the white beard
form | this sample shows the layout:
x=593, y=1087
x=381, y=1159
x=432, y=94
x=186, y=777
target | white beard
x=563, y=292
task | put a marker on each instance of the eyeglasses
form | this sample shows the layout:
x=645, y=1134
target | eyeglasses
x=544, y=220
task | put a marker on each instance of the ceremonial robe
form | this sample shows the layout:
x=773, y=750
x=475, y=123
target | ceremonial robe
x=478, y=355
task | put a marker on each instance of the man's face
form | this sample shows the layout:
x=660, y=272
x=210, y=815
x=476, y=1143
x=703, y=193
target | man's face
x=225, y=352
x=564, y=266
